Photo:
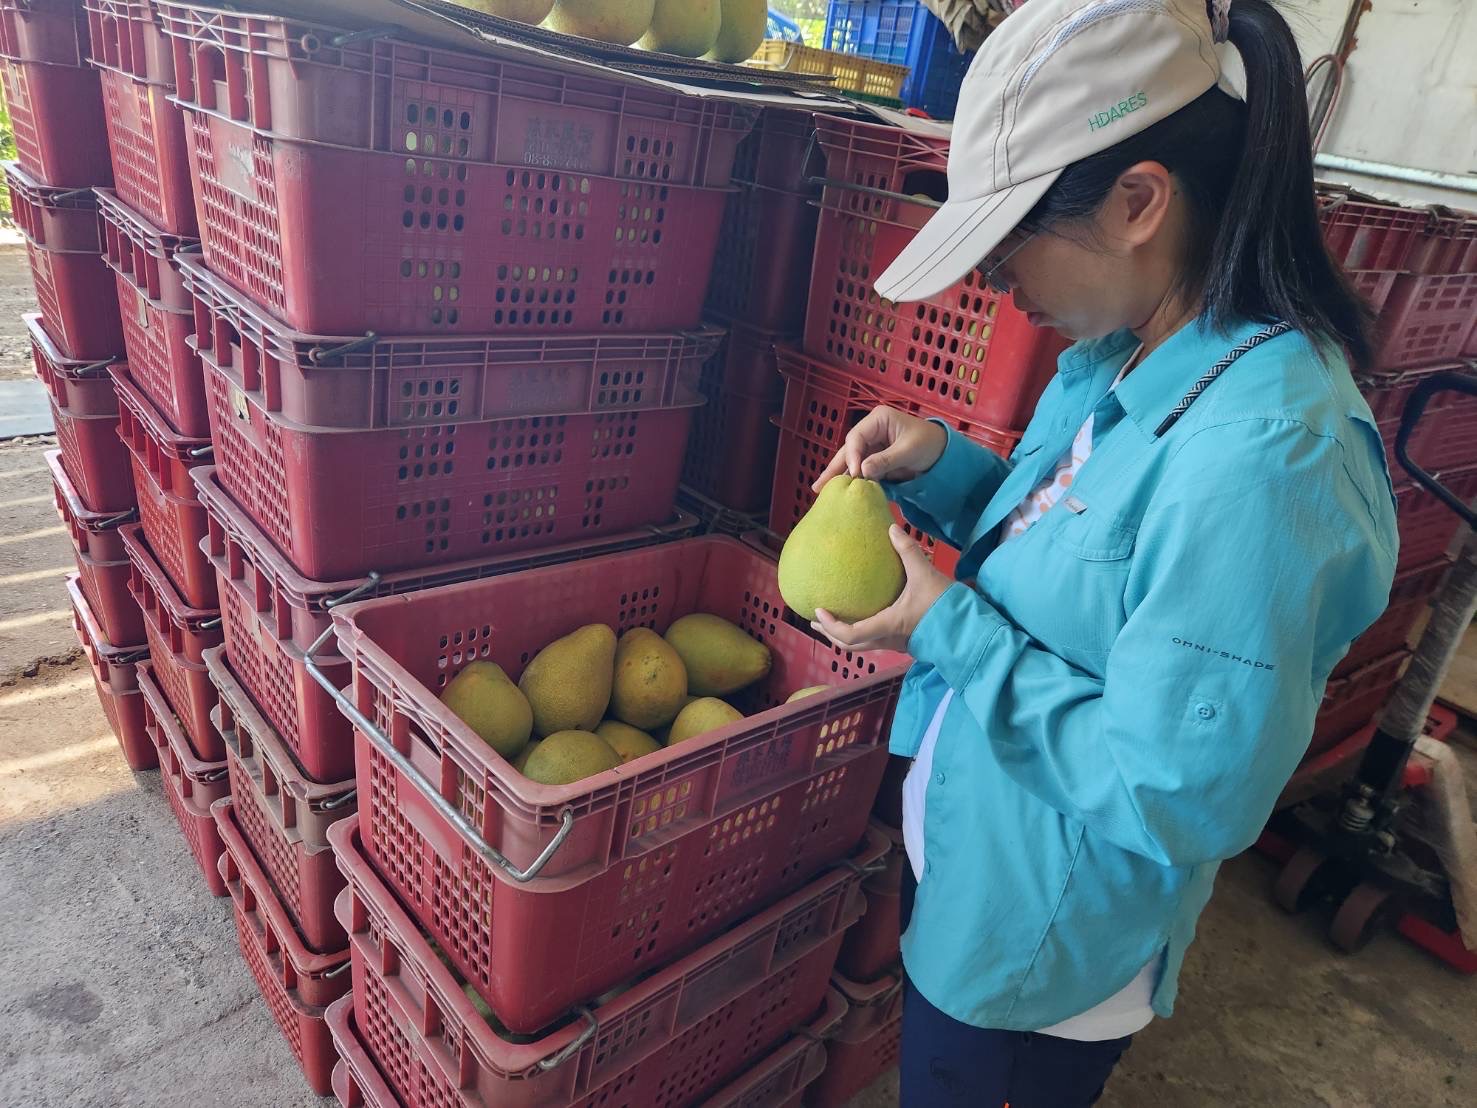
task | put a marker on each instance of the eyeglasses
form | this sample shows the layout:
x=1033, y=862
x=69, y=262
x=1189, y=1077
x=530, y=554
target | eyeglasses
x=988, y=270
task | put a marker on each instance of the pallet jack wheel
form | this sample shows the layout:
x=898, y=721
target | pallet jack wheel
x=1362, y=915
x=1298, y=887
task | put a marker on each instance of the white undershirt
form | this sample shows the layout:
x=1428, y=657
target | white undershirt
x=1128, y=1010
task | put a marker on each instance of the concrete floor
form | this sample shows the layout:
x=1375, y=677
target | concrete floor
x=124, y=985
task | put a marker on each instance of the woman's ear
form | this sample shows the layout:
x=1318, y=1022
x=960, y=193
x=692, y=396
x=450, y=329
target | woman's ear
x=1141, y=202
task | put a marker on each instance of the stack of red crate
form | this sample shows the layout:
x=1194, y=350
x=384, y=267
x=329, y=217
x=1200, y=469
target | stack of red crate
x=1418, y=268
x=55, y=108
x=965, y=356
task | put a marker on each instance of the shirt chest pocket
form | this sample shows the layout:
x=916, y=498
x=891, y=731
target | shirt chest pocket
x=1063, y=581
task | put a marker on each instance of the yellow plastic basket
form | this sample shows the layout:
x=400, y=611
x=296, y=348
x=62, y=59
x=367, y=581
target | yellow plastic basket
x=849, y=72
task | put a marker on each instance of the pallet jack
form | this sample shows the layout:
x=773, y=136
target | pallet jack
x=1397, y=845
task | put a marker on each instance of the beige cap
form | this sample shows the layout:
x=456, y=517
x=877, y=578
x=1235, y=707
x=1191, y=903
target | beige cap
x=1058, y=80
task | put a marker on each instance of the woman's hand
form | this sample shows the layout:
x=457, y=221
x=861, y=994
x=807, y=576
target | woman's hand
x=891, y=628
x=887, y=444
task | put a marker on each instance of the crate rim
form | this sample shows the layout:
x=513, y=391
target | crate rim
x=71, y=369
x=85, y=517
x=142, y=558
x=110, y=654
x=550, y=804
x=48, y=196
x=196, y=769
x=523, y=1057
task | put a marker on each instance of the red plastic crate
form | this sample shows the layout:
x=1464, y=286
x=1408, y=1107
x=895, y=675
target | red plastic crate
x=297, y=984
x=872, y=946
x=50, y=31
x=64, y=241
x=731, y=447
x=673, y=1036
x=273, y=614
x=779, y=1081
x=283, y=816
x=158, y=316
x=57, y=119
x=1363, y=233
x=191, y=784
x=1445, y=438
x=103, y=567
x=1410, y=595
x=1427, y=319
x=965, y=352
x=151, y=161
x=1427, y=526
x=178, y=637
x=126, y=37
x=365, y=383
x=491, y=195
x=1352, y=700
x=344, y=503
x=822, y=404
x=169, y=507
x=84, y=409
x=649, y=866
x=115, y=677
x=1374, y=285
x=1447, y=245
x=761, y=272
x=867, y=1044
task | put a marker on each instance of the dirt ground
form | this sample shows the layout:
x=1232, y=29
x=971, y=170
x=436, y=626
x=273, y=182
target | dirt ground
x=124, y=984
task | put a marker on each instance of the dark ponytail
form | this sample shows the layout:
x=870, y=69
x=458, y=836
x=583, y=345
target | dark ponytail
x=1255, y=250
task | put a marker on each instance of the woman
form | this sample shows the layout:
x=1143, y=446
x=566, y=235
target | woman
x=1155, y=587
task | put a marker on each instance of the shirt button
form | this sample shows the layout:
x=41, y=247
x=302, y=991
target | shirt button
x=1205, y=711
x=938, y=778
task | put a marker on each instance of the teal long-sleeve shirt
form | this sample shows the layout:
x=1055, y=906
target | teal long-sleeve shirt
x=1137, y=675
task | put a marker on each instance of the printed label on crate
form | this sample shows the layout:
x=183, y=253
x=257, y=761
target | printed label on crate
x=141, y=309
x=239, y=407
x=557, y=144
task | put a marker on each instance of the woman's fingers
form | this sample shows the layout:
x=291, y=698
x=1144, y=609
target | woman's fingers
x=851, y=636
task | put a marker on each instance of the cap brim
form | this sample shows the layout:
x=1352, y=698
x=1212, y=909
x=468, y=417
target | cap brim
x=957, y=238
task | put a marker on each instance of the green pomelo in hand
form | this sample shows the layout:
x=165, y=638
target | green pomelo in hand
x=839, y=556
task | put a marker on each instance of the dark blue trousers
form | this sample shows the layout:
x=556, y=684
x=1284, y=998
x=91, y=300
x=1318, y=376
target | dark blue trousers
x=946, y=1063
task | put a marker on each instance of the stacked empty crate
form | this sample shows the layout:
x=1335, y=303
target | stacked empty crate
x=906, y=34
x=1418, y=269
x=55, y=105
x=965, y=356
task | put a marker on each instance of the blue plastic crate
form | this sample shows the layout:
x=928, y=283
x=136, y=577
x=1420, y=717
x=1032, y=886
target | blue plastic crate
x=902, y=32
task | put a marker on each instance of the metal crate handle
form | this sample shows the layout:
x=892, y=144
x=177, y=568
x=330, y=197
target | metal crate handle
x=449, y=811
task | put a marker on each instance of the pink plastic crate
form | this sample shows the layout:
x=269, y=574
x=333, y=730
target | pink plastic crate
x=64, y=239
x=103, y=567
x=273, y=615
x=57, y=120
x=281, y=813
x=366, y=383
x=115, y=677
x=1427, y=320
x=1364, y=233
x=823, y=403
x=192, y=785
x=84, y=409
x=151, y=162
x=490, y=195
x=344, y=503
x=1446, y=436
x=731, y=448
x=50, y=31
x=660, y=854
x=178, y=637
x=297, y=984
x=868, y=1042
x=966, y=352
x=1447, y=245
x=1410, y=596
x=872, y=946
x=126, y=36
x=1426, y=525
x=158, y=315
x=169, y=507
x=674, y=1036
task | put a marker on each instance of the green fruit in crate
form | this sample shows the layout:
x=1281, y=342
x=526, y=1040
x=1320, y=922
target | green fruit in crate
x=720, y=657
x=568, y=681
x=801, y=694
x=705, y=714
x=741, y=30
x=628, y=742
x=650, y=684
x=685, y=27
x=531, y=12
x=491, y=705
x=619, y=21
x=569, y=756
x=839, y=556
x=520, y=763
